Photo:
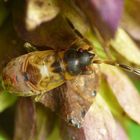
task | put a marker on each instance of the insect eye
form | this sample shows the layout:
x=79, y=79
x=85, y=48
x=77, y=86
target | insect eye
x=70, y=54
x=85, y=58
x=73, y=66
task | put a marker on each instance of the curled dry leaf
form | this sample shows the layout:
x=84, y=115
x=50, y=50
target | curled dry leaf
x=124, y=45
x=125, y=92
x=103, y=14
x=72, y=100
x=25, y=120
x=99, y=124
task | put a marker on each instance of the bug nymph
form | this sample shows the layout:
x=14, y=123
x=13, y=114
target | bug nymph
x=40, y=71
x=31, y=74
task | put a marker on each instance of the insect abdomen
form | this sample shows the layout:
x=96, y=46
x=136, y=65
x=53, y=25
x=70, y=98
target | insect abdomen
x=32, y=74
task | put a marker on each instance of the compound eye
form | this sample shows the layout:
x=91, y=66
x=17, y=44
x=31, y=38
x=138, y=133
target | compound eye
x=73, y=66
x=85, y=58
x=70, y=54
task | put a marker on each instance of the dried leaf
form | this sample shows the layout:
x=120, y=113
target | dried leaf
x=11, y=45
x=126, y=47
x=125, y=92
x=25, y=120
x=72, y=100
x=33, y=121
x=98, y=124
x=103, y=14
x=55, y=33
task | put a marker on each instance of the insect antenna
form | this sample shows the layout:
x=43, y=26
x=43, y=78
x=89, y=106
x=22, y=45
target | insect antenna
x=123, y=66
x=76, y=31
x=73, y=28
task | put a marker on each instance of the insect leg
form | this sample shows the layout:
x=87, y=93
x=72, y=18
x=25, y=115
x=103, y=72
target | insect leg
x=76, y=31
x=130, y=69
x=29, y=47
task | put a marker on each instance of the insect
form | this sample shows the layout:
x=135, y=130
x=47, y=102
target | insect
x=38, y=72
x=41, y=71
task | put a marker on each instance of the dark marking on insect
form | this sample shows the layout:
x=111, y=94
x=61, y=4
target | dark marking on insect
x=94, y=93
x=26, y=76
x=56, y=67
x=32, y=74
x=83, y=113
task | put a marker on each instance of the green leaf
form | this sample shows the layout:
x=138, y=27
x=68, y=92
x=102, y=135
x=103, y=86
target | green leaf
x=55, y=135
x=133, y=131
x=6, y=100
x=110, y=99
x=99, y=50
x=3, y=136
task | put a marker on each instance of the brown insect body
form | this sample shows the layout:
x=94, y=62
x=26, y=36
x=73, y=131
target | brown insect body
x=31, y=74
x=41, y=71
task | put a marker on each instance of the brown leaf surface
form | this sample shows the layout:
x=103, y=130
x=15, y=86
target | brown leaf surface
x=25, y=120
x=98, y=124
x=125, y=92
x=55, y=33
x=72, y=100
x=10, y=45
x=33, y=122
